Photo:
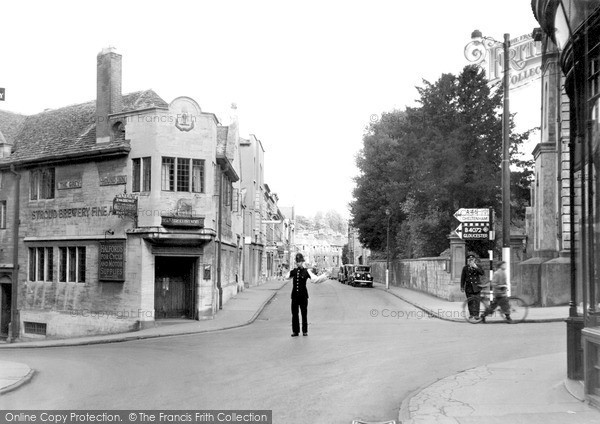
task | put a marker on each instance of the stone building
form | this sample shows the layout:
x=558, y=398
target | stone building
x=253, y=209
x=574, y=27
x=125, y=213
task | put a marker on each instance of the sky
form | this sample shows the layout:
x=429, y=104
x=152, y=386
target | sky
x=307, y=77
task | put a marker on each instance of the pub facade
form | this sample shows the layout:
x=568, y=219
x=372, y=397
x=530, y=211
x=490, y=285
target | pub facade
x=123, y=212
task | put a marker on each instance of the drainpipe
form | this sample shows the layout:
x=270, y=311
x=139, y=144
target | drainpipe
x=219, y=246
x=14, y=316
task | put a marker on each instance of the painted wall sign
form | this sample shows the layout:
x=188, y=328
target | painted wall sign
x=84, y=212
x=113, y=180
x=111, y=257
x=182, y=221
x=68, y=184
x=525, y=59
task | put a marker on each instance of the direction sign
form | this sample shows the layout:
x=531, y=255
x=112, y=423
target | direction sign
x=473, y=231
x=473, y=215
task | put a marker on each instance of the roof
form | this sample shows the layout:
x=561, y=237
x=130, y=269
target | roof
x=66, y=132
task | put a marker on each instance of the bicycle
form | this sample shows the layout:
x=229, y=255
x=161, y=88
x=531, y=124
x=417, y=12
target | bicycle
x=518, y=308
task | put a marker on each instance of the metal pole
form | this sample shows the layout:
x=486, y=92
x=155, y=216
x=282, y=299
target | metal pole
x=506, y=164
x=387, y=250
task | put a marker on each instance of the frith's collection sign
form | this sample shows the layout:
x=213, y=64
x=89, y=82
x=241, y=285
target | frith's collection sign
x=525, y=59
x=111, y=257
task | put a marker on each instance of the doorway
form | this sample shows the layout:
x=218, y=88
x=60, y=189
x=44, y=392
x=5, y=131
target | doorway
x=5, y=308
x=174, y=287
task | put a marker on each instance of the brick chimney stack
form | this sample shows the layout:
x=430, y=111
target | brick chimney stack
x=109, y=98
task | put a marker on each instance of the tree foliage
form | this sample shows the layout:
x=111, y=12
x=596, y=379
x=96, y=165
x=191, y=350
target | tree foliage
x=424, y=163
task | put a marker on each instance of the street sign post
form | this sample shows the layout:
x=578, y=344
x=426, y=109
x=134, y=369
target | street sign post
x=473, y=215
x=473, y=230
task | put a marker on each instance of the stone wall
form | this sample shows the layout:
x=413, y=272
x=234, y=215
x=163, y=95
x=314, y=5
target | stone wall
x=428, y=275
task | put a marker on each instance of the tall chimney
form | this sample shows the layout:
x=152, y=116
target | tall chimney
x=108, y=99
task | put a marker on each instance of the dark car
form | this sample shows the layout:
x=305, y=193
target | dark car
x=360, y=274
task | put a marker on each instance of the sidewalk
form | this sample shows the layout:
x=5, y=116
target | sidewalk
x=530, y=390
x=452, y=311
x=240, y=310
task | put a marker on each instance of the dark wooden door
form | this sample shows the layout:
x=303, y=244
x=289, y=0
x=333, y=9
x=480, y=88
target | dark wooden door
x=5, y=304
x=174, y=287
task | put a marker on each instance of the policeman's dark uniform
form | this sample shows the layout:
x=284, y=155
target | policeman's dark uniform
x=299, y=299
x=469, y=282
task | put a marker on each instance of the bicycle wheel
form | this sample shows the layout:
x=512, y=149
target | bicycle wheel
x=518, y=309
x=477, y=302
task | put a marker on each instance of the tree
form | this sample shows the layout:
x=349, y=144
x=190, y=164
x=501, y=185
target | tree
x=425, y=162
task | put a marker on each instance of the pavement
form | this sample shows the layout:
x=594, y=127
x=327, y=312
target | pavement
x=529, y=390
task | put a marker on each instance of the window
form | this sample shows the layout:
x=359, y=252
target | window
x=168, y=174
x=197, y=176
x=178, y=176
x=2, y=214
x=41, y=263
x=183, y=174
x=142, y=173
x=41, y=184
x=72, y=264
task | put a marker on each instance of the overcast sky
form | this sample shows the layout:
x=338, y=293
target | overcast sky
x=307, y=77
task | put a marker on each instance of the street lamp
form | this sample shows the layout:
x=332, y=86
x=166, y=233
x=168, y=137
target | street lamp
x=476, y=36
x=387, y=250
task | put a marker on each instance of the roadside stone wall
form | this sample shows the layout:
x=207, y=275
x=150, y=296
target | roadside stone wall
x=428, y=275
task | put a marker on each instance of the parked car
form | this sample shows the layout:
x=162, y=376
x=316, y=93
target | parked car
x=359, y=275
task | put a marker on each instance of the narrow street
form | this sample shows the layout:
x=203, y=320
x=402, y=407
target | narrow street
x=352, y=365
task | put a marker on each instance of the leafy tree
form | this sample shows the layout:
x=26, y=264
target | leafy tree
x=424, y=163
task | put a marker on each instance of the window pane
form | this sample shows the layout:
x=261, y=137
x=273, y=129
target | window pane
x=3, y=214
x=62, y=264
x=40, y=268
x=33, y=184
x=168, y=174
x=49, y=183
x=147, y=174
x=183, y=174
x=135, y=185
x=72, y=264
x=81, y=267
x=32, y=261
x=49, y=263
x=198, y=176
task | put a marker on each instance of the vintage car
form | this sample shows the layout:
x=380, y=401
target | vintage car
x=359, y=275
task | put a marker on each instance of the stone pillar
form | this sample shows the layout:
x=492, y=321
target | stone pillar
x=458, y=255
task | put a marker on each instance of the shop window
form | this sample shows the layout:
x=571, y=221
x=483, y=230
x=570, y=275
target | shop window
x=142, y=173
x=41, y=263
x=72, y=264
x=41, y=185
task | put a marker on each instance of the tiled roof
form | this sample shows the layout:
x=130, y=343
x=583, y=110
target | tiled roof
x=67, y=131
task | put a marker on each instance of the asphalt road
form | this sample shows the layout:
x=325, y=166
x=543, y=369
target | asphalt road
x=366, y=351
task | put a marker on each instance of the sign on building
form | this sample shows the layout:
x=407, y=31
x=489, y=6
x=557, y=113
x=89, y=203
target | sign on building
x=125, y=205
x=111, y=258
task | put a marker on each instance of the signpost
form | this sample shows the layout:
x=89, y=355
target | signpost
x=473, y=215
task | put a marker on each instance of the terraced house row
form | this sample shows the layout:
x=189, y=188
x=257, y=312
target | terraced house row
x=126, y=210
